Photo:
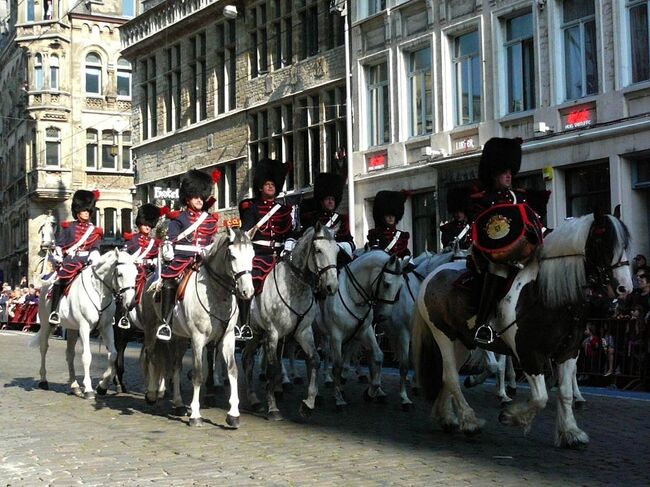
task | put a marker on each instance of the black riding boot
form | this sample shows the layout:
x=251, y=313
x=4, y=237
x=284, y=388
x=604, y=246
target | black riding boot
x=492, y=289
x=168, y=300
x=57, y=293
x=243, y=330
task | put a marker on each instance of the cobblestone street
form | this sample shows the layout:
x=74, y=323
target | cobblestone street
x=53, y=438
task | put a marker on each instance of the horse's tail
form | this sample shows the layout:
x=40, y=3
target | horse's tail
x=36, y=339
x=158, y=359
x=428, y=360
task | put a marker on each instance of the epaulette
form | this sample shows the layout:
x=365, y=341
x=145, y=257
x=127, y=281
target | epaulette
x=65, y=224
x=215, y=215
x=173, y=215
x=128, y=235
x=99, y=230
x=245, y=204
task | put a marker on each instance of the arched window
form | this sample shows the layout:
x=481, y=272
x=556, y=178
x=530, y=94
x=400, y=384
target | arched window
x=123, y=78
x=52, y=146
x=91, y=149
x=54, y=72
x=93, y=74
x=38, y=72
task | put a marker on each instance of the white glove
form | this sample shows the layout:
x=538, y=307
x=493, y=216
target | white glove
x=57, y=255
x=345, y=247
x=94, y=257
x=289, y=244
x=167, y=251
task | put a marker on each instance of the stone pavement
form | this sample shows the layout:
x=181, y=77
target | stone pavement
x=52, y=438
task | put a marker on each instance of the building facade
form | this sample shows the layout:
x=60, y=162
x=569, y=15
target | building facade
x=65, y=122
x=434, y=80
x=222, y=84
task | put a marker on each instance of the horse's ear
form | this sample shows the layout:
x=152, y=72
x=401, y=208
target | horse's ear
x=617, y=212
x=406, y=260
x=392, y=260
x=251, y=233
x=318, y=226
x=231, y=234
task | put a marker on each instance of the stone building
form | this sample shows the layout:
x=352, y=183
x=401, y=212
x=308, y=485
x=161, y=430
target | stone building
x=434, y=80
x=65, y=122
x=220, y=84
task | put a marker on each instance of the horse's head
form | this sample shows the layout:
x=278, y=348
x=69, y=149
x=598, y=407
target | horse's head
x=321, y=258
x=241, y=253
x=117, y=271
x=47, y=233
x=606, y=262
x=387, y=283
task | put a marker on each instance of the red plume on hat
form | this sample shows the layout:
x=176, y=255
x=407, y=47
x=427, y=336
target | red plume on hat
x=96, y=193
x=216, y=176
x=164, y=211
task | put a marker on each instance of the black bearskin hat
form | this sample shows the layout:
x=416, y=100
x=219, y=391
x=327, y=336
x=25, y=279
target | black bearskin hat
x=388, y=203
x=458, y=199
x=195, y=184
x=498, y=156
x=328, y=184
x=269, y=170
x=148, y=214
x=83, y=200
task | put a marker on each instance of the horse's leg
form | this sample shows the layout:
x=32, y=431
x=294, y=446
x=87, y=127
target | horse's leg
x=374, y=391
x=71, y=338
x=579, y=401
x=272, y=374
x=467, y=420
x=511, y=386
x=179, y=349
x=306, y=341
x=106, y=331
x=227, y=350
x=403, y=343
x=522, y=414
x=43, y=345
x=86, y=357
x=337, y=370
x=567, y=433
x=248, y=362
x=198, y=345
x=501, y=380
x=218, y=372
x=121, y=341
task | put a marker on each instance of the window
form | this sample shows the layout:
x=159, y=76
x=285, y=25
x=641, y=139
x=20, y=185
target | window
x=520, y=53
x=227, y=188
x=424, y=222
x=378, y=104
x=226, y=68
x=335, y=130
x=467, y=78
x=52, y=147
x=259, y=132
x=110, y=222
x=126, y=151
x=420, y=97
x=370, y=7
x=93, y=74
x=31, y=10
x=54, y=72
x=281, y=34
x=639, y=40
x=198, y=93
x=335, y=29
x=91, y=149
x=128, y=8
x=109, y=149
x=126, y=224
x=47, y=10
x=258, y=54
x=149, y=98
x=123, y=78
x=173, y=92
x=309, y=23
x=580, y=50
x=587, y=188
x=38, y=72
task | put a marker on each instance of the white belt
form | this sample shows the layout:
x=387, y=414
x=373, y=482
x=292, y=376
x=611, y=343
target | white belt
x=148, y=261
x=268, y=243
x=81, y=253
x=188, y=248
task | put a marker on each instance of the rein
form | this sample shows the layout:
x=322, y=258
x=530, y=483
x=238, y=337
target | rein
x=105, y=284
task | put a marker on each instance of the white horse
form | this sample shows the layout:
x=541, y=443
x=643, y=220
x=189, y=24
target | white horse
x=89, y=305
x=367, y=285
x=286, y=308
x=208, y=311
x=501, y=367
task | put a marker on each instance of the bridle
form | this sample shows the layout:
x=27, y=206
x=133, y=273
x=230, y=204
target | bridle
x=600, y=276
x=230, y=283
x=116, y=290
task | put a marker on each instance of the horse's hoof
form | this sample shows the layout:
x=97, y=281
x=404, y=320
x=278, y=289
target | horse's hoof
x=415, y=390
x=580, y=405
x=287, y=386
x=257, y=407
x=305, y=411
x=150, y=400
x=319, y=400
x=262, y=377
x=101, y=390
x=76, y=391
x=473, y=431
x=274, y=416
x=366, y=395
x=44, y=385
x=469, y=383
x=180, y=411
x=232, y=421
x=298, y=381
x=329, y=384
x=120, y=389
x=407, y=407
x=504, y=404
x=89, y=395
x=363, y=379
x=196, y=421
x=511, y=391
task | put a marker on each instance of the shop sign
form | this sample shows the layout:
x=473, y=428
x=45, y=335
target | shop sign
x=165, y=193
x=376, y=161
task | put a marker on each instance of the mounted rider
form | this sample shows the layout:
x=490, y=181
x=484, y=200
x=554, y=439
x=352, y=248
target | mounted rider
x=387, y=211
x=271, y=224
x=144, y=247
x=458, y=228
x=328, y=192
x=190, y=232
x=76, y=246
x=505, y=229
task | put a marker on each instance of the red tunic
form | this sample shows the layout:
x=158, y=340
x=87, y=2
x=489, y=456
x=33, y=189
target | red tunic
x=139, y=243
x=381, y=238
x=74, y=261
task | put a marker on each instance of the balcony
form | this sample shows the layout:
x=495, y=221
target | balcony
x=49, y=184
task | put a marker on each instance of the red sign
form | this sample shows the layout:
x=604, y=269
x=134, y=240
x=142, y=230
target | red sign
x=233, y=222
x=579, y=118
x=377, y=161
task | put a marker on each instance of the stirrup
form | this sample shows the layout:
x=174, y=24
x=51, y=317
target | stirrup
x=54, y=318
x=124, y=323
x=164, y=332
x=245, y=332
x=484, y=334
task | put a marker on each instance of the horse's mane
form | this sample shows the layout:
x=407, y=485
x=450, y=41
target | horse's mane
x=562, y=276
x=298, y=255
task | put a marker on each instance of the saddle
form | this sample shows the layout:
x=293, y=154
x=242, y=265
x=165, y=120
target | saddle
x=185, y=278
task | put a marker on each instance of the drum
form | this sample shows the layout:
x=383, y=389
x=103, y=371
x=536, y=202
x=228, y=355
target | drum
x=503, y=233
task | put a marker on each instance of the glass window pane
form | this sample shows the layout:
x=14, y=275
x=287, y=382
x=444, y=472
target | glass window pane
x=591, y=58
x=576, y=9
x=640, y=43
x=123, y=84
x=126, y=158
x=52, y=153
x=572, y=63
x=520, y=27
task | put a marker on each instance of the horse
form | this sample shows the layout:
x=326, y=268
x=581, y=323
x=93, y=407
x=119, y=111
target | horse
x=89, y=305
x=367, y=285
x=540, y=317
x=286, y=308
x=500, y=366
x=398, y=325
x=208, y=311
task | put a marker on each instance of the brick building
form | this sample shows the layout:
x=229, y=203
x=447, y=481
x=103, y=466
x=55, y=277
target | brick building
x=221, y=84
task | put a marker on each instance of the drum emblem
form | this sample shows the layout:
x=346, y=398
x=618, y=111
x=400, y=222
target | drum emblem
x=497, y=227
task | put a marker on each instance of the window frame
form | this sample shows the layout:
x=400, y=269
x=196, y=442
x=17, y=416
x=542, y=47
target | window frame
x=565, y=26
x=124, y=71
x=411, y=76
x=55, y=72
x=377, y=126
x=458, y=61
x=53, y=141
x=39, y=72
x=633, y=40
x=571, y=196
x=526, y=45
x=95, y=69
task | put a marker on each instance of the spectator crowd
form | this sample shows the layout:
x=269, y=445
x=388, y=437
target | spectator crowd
x=19, y=305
